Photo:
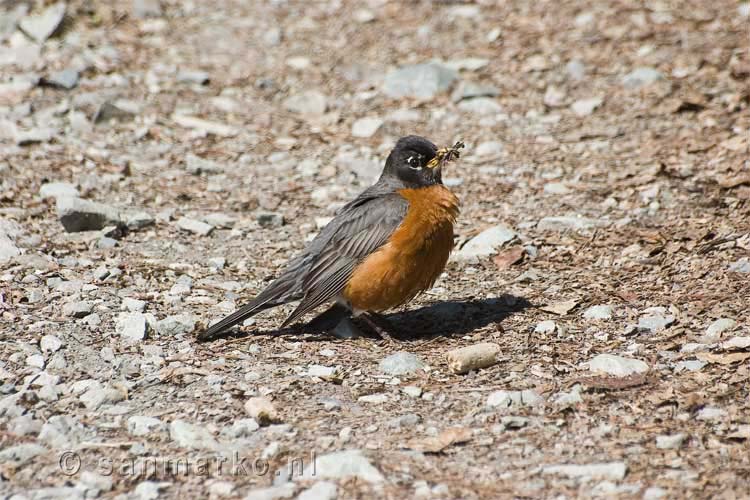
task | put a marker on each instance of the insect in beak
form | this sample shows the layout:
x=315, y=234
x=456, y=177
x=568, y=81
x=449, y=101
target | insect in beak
x=445, y=155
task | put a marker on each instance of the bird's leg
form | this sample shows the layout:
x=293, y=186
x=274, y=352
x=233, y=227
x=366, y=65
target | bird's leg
x=384, y=328
x=346, y=329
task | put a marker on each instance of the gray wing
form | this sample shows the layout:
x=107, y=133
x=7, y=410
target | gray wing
x=361, y=227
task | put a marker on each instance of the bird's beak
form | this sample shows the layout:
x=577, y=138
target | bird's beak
x=445, y=155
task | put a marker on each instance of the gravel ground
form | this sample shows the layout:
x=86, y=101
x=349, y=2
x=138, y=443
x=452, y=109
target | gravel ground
x=160, y=161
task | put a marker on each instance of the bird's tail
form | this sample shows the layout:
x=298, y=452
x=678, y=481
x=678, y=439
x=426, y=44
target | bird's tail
x=255, y=306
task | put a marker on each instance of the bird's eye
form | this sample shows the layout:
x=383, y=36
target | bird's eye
x=414, y=162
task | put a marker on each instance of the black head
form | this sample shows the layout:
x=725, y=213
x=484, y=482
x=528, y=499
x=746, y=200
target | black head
x=410, y=163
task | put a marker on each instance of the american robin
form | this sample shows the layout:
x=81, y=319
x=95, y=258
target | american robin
x=382, y=249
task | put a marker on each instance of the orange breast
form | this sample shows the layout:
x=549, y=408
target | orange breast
x=413, y=257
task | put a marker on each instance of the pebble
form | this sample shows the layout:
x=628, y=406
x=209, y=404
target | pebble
x=131, y=326
x=219, y=219
x=322, y=490
x=421, y=81
x=547, y=326
x=711, y=413
x=139, y=425
x=270, y=219
x=50, y=343
x=556, y=188
x=220, y=489
x=138, y=220
x=76, y=214
x=109, y=111
x=196, y=437
x=375, y=399
x=97, y=395
x=262, y=410
x=614, y=471
x=309, y=103
x=585, y=107
x=485, y=243
x=57, y=190
x=272, y=493
x=143, y=9
x=178, y=324
x=182, y=286
x=564, y=223
x=148, y=490
x=366, y=127
x=617, y=366
x=209, y=127
x=514, y=399
x=740, y=266
x=78, y=309
x=467, y=64
x=94, y=484
x=654, y=493
x=197, y=165
x=554, y=97
x=412, y=391
x=640, y=77
x=193, y=76
x=241, y=428
x=401, y=363
x=344, y=464
x=194, y=226
x=690, y=365
x=65, y=79
x=364, y=16
x=489, y=149
x=575, y=69
x=720, y=326
x=321, y=371
x=670, y=442
x=61, y=431
x=736, y=343
x=43, y=25
x=480, y=106
x=600, y=312
x=19, y=454
x=655, y=322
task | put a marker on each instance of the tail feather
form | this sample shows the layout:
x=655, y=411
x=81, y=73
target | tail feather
x=236, y=317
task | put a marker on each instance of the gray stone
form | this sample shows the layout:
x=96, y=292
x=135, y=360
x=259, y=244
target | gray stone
x=406, y=421
x=76, y=214
x=575, y=69
x=366, y=127
x=193, y=76
x=471, y=90
x=43, y=25
x=480, y=106
x=21, y=453
x=321, y=371
x=412, y=391
x=654, y=493
x=554, y=97
x=272, y=493
x=614, y=471
x=309, y=103
x=109, y=111
x=514, y=399
x=585, y=107
x=711, y=413
x=719, y=326
x=743, y=10
x=97, y=395
x=179, y=324
x=205, y=126
x=655, y=322
x=143, y=9
x=50, y=343
x=138, y=220
x=241, y=428
x=670, y=442
x=401, y=363
x=197, y=165
x=218, y=219
x=57, y=190
x=547, y=326
x=131, y=326
x=690, y=365
x=343, y=464
x=600, y=312
x=64, y=79
x=564, y=223
x=182, y=286
x=421, y=81
x=61, y=431
x=467, y=64
x=54, y=493
x=564, y=400
x=147, y=490
x=640, y=77
x=486, y=243
x=194, y=226
x=8, y=249
x=616, y=366
x=270, y=219
x=376, y=399
x=740, y=266
x=94, y=484
x=196, y=437
x=78, y=309
x=35, y=136
x=322, y=490
x=139, y=425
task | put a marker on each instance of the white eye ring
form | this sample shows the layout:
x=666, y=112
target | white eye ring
x=414, y=159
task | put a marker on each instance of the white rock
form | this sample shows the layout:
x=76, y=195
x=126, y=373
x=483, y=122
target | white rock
x=50, y=343
x=342, y=464
x=310, y=103
x=598, y=312
x=736, y=343
x=482, y=106
x=711, y=413
x=376, y=399
x=57, y=189
x=640, y=77
x=486, y=243
x=133, y=305
x=366, y=127
x=547, y=326
x=563, y=223
x=614, y=471
x=131, y=326
x=585, y=107
x=489, y=149
x=139, y=425
x=412, y=391
x=209, y=127
x=43, y=25
x=617, y=366
x=514, y=399
x=323, y=490
x=194, y=226
x=272, y=493
x=401, y=363
x=321, y=371
x=298, y=62
x=196, y=437
x=670, y=442
x=422, y=81
x=719, y=326
x=654, y=493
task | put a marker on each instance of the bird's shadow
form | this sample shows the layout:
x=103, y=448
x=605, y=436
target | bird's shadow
x=455, y=317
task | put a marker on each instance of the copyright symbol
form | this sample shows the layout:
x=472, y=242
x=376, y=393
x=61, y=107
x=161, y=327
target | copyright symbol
x=70, y=463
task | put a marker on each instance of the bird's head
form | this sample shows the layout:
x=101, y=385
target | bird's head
x=417, y=162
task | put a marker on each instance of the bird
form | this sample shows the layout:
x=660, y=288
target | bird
x=381, y=249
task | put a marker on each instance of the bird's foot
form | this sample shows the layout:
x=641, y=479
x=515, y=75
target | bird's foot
x=381, y=326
